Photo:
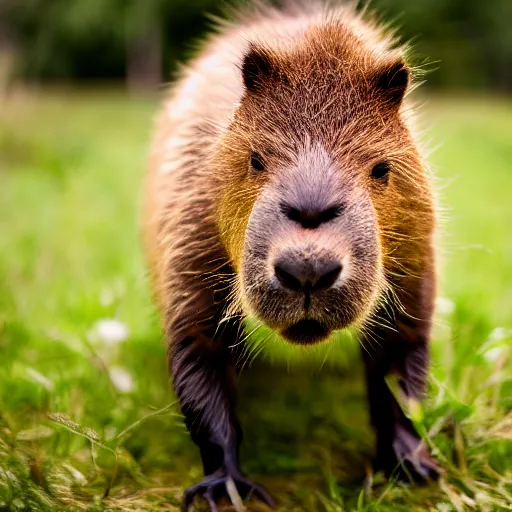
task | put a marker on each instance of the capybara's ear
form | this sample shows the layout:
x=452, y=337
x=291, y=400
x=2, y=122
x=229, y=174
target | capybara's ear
x=392, y=82
x=258, y=68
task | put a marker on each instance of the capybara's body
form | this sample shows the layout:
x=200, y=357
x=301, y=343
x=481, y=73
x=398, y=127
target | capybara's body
x=285, y=185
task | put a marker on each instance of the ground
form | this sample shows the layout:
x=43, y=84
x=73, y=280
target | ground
x=87, y=420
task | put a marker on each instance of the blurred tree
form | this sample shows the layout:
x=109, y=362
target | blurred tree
x=104, y=38
x=7, y=45
x=471, y=40
x=143, y=39
x=68, y=38
x=144, y=44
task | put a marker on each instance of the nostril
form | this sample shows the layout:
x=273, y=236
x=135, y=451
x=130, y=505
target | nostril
x=311, y=218
x=330, y=213
x=287, y=275
x=327, y=276
x=291, y=212
x=299, y=275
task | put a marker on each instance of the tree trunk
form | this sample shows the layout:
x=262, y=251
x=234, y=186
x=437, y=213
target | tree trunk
x=144, y=61
x=7, y=47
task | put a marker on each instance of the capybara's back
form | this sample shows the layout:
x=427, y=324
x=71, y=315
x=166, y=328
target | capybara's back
x=285, y=185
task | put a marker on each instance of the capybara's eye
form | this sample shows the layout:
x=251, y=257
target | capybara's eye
x=381, y=171
x=257, y=162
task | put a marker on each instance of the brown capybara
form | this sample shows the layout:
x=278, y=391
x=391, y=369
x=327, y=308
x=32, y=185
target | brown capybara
x=285, y=184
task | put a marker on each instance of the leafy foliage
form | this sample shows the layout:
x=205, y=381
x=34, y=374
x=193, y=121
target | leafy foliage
x=469, y=42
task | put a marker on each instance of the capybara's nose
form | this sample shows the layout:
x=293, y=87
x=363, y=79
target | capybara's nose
x=305, y=275
x=311, y=216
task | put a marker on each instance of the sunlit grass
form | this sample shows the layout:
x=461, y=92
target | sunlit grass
x=83, y=359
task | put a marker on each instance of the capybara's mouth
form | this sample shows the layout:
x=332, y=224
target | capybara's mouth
x=306, y=332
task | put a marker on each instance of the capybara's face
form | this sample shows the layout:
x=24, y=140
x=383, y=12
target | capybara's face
x=311, y=261
x=314, y=179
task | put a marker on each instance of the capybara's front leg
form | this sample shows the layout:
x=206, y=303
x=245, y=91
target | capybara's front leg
x=401, y=349
x=204, y=383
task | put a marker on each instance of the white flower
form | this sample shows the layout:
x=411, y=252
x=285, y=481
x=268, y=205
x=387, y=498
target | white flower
x=493, y=354
x=499, y=334
x=110, y=330
x=121, y=379
x=445, y=306
x=497, y=345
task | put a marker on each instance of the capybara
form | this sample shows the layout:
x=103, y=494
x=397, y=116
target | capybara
x=286, y=185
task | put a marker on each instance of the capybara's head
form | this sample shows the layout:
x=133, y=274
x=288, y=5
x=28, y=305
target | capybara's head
x=316, y=165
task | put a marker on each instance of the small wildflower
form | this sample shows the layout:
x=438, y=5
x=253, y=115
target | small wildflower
x=497, y=344
x=121, y=379
x=110, y=331
x=500, y=334
x=494, y=354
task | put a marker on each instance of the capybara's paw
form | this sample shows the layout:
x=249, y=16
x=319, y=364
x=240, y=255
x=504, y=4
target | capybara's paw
x=410, y=460
x=214, y=487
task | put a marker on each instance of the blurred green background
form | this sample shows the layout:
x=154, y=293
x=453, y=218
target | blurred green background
x=87, y=420
x=143, y=40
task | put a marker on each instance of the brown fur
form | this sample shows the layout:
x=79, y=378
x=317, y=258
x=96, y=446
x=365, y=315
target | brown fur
x=318, y=111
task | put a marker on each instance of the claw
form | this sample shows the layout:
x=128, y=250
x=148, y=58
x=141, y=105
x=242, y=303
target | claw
x=260, y=492
x=412, y=458
x=208, y=495
x=207, y=487
x=421, y=467
x=264, y=495
x=202, y=488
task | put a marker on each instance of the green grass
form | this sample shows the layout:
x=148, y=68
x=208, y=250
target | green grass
x=71, y=168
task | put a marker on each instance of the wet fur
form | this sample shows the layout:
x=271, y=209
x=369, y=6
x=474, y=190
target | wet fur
x=325, y=92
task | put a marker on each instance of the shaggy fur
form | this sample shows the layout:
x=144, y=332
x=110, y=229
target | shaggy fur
x=318, y=93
